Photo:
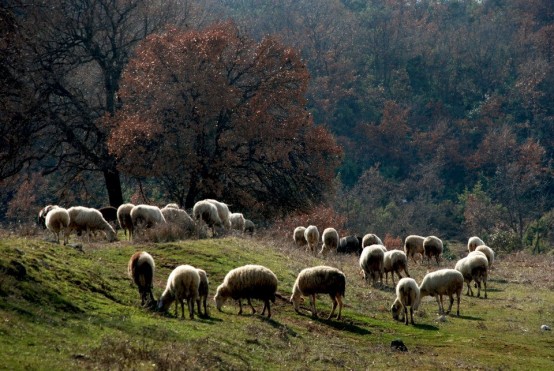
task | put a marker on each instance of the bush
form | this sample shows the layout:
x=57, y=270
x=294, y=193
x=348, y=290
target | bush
x=504, y=241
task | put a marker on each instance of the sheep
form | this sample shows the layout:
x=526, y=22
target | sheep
x=395, y=261
x=124, y=219
x=474, y=267
x=311, y=234
x=473, y=242
x=141, y=270
x=443, y=282
x=413, y=244
x=57, y=220
x=171, y=206
x=237, y=221
x=330, y=239
x=223, y=212
x=207, y=212
x=180, y=218
x=85, y=218
x=489, y=253
x=372, y=263
x=371, y=239
x=407, y=295
x=350, y=244
x=183, y=284
x=248, y=282
x=249, y=227
x=110, y=214
x=43, y=213
x=146, y=216
x=316, y=280
x=432, y=247
x=203, y=292
x=298, y=236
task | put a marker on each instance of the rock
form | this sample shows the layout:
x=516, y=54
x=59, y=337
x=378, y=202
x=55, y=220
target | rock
x=545, y=328
x=441, y=318
x=398, y=345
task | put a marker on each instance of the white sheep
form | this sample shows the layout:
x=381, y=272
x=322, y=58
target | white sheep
x=43, y=213
x=180, y=218
x=249, y=227
x=237, y=222
x=350, y=244
x=90, y=220
x=407, y=295
x=203, y=292
x=413, y=245
x=330, y=239
x=183, y=284
x=146, y=216
x=248, y=282
x=57, y=220
x=395, y=261
x=171, y=206
x=141, y=269
x=298, y=236
x=473, y=242
x=223, y=212
x=474, y=267
x=372, y=263
x=489, y=253
x=432, y=247
x=443, y=282
x=124, y=219
x=371, y=239
x=311, y=234
x=207, y=212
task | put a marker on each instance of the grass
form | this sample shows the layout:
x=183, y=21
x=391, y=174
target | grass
x=63, y=308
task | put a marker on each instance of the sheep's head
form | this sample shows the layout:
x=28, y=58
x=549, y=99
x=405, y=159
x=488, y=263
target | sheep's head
x=396, y=309
x=221, y=296
x=165, y=301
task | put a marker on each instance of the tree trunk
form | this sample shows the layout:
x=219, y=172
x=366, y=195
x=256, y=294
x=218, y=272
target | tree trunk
x=113, y=185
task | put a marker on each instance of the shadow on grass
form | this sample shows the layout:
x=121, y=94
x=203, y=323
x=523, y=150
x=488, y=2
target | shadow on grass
x=471, y=318
x=426, y=327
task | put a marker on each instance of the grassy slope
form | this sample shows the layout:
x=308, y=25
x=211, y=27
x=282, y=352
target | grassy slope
x=62, y=308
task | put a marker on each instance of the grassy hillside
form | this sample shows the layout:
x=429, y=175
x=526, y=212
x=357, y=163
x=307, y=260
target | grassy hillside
x=62, y=308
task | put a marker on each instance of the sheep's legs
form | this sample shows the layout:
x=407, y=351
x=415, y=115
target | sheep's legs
x=251, y=306
x=339, y=299
x=412, y=314
x=190, y=305
x=183, y=308
x=240, y=307
x=334, y=306
x=266, y=305
x=451, y=302
x=458, y=302
x=439, y=302
x=312, y=304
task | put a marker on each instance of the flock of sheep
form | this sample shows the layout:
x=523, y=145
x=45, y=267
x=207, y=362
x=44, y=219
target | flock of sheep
x=137, y=218
x=375, y=260
x=189, y=284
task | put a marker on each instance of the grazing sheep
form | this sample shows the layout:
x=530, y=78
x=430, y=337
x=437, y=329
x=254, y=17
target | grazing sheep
x=180, y=218
x=298, y=236
x=311, y=234
x=110, y=214
x=489, y=253
x=350, y=244
x=124, y=219
x=474, y=267
x=473, y=242
x=330, y=239
x=443, y=282
x=407, y=295
x=203, y=292
x=432, y=247
x=223, y=212
x=237, y=221
x=248, y=282
x=183, y=284
x=319, y=280
x=146, y=216
x=371, y=239
x=90, y=220
x=43, y=213
x=413, y=244
x=395, y=261
x=372, y=263
x=207, y=212
x=141, y=269
x=57, y=220
x=171, y=206
x=249, y=227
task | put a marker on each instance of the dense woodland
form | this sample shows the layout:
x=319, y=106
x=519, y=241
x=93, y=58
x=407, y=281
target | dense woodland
x=395, y=117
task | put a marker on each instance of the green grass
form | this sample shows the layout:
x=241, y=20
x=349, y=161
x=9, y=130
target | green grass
x=62, y=308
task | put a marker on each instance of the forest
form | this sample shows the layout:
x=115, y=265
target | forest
x=392, y=116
